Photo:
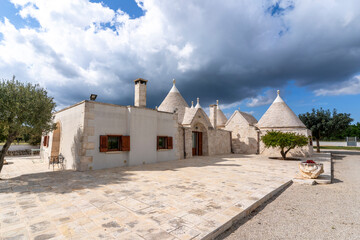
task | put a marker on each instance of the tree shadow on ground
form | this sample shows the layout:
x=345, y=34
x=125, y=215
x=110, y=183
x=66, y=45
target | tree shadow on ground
x=203, y=161
x=66, y=181
x=62, y=182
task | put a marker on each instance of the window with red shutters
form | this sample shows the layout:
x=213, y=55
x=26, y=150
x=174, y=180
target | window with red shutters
x=125, y=143
x=169, y=143
x=112, y=143
x=164, y=142
x=103, y=143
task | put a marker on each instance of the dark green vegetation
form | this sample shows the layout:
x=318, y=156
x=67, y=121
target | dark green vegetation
x=353, y=130
x=284, y=140
x=25, y=109
x=325, y=124
x=27, y=137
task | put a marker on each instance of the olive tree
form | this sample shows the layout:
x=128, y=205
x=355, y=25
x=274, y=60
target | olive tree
x=23, y=106
x=284, y=140
x=324, y=123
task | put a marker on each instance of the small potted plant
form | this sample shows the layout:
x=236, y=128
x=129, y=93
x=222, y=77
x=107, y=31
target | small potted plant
x=311, y=169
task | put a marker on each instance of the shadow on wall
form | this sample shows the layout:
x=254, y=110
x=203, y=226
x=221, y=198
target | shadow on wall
x=76, y=149
x=242, y=147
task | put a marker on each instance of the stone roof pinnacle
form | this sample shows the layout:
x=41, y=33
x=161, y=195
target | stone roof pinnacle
x=198, y=103
x=174, y=89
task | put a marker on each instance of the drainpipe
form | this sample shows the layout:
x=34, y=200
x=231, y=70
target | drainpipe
x=231, y=148
x=258, y=142
x=184, y=143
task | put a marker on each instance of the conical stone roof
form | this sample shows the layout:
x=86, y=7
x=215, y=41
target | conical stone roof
x=279, y=115
x=174, y=102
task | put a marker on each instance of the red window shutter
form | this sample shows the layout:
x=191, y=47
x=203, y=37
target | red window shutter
x=125, y=143
x=157, y=142
x=169, y=143
x=103, y=143
x=46, y=141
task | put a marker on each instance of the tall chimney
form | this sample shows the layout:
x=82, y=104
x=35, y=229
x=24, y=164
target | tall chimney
x=140, y=92
x=213, y=115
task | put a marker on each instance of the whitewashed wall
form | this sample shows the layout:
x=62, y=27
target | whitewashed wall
x=143, y=125
x=72, y=123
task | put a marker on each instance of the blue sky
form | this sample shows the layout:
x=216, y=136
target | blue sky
x=239, y=53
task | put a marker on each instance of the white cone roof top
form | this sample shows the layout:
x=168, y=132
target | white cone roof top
x=198, y=103
x=192, y=104
x=174, y=102
x=174, y=88
x=279, y=115
x=220, y=116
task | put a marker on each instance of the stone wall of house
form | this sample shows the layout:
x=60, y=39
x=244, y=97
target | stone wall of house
x=244, y=136
x=214, y=141
x=188, y=142
x=219, y=142
x=180, y=142
x=297, y=152
x=71, y=122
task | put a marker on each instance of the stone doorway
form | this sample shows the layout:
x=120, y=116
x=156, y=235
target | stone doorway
x=197, y=142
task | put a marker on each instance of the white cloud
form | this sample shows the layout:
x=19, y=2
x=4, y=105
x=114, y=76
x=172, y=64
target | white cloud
x=261, y=100
x=350, y=87
x=229, y=106
x=229, y=50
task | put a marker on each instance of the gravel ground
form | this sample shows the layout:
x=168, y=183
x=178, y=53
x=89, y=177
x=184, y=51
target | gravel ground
x=310, y=212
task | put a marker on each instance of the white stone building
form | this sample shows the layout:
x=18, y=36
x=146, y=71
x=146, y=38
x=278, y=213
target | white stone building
x=197, y=133
x=245, y=134
x=94, y=135
x=280, y=117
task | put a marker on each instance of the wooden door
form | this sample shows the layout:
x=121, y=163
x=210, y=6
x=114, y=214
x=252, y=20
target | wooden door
x=200, y=143
x=55, y=147
x=197, y=143
x=194, y=143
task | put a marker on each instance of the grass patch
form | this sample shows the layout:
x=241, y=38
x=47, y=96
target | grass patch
x=14, y=143
x=341, y=148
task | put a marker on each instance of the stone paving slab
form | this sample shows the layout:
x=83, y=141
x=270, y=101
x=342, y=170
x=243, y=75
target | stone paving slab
x=185, y=199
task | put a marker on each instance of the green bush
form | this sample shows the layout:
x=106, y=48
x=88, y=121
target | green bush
x=284, y=140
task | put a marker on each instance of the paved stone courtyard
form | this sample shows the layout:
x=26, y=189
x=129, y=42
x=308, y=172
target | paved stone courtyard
x=181, y=199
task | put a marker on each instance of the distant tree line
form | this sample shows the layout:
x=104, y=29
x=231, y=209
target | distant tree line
x=353, y=130
x=329, y=125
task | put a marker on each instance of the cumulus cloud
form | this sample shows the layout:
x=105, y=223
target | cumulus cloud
x=228, y=51
x=350, y=87
x=261, y=100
